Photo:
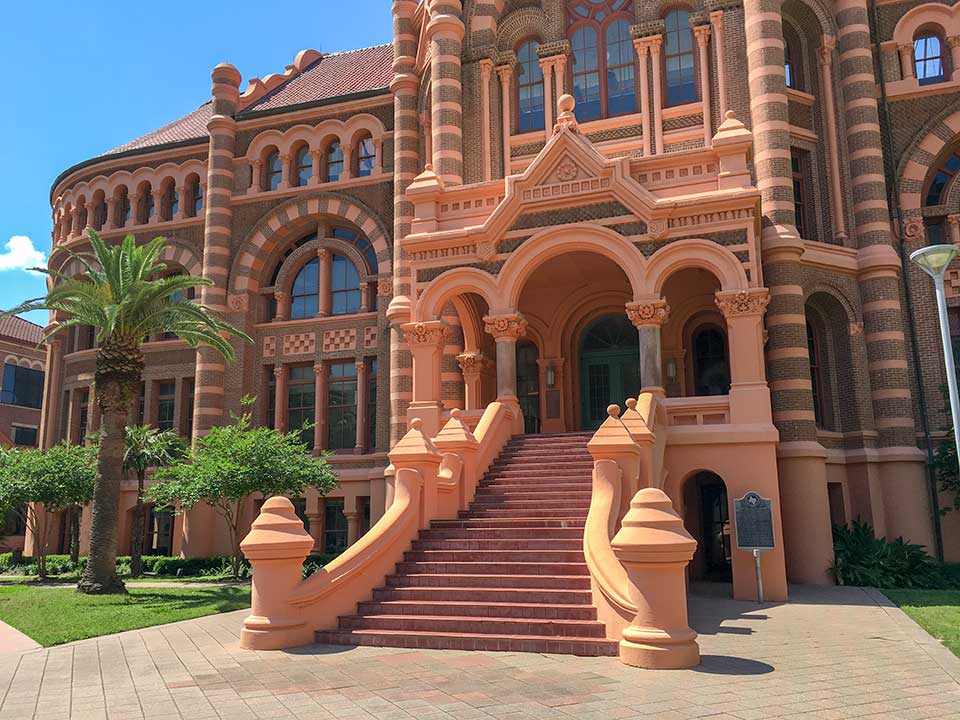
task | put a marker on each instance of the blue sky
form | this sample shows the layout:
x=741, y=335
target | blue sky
x=81, y=78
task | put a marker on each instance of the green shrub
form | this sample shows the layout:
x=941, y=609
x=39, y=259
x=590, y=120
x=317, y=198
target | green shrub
x=314, y=563
x=6, y=560
x=862, y=559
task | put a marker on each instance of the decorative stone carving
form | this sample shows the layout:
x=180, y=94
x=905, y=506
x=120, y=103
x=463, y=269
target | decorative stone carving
x=385, y=287
x=565, y=117
x=428, y=333
x=238, y=302
x=856, y=329
x=914, y=230
x=651, y=314
x=506, y=327
x=486, y=250
x=743, y=302
x=567, y=170
x=657, y=228
x=472, y=363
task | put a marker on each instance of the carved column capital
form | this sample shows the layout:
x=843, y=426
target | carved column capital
x=702, y=33
x=648, y=314
x=505, y=73
x=472, y=363
x=424, y=334
x=716, y=19
x=953, y=41
x=505, y=327
x=733, y=303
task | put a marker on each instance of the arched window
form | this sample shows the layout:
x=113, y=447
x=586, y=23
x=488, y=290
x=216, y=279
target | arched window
x=99, y=212
x=346, y=287
x=678, y=58
x=123, y=206
x=928, y=58
x=529, y=88
x=273, y=171
x=711, y=369
x=334, y=161
x=603, y=56
x=305, y=298
x=196, y=196
x=366, y=157
x=790, y=68
x=145, y=208
x=936, y=192
x=304, y=167
x=816, y=375
x=171, y=201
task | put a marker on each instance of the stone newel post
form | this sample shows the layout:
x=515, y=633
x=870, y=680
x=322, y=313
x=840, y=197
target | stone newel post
x=276, y=547
x=654, y=549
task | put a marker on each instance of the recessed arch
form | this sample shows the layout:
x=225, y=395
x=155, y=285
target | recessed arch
x=696, y=253
x=454, y=282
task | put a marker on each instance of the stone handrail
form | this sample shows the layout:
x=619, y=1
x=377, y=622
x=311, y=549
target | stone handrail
x=430, y=479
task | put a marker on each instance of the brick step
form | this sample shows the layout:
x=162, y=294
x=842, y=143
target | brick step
x=537, y=485
x=494, y=556
x=539, y=475
x=526, y=513
x=429, y=594
x=492, y=568
x=477, y=545
x=574, y=466
x=490, y=580
x=505, y=523
x=526, y=505
x=493, y=494
x=584, y=647
x=538, y=453
x=474, y=534
x=507, y=610
x=475, y=625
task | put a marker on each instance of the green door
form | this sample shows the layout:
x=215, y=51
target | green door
x=609, y=368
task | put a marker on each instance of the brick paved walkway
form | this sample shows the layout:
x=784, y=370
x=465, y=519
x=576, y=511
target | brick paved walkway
x=831, y=653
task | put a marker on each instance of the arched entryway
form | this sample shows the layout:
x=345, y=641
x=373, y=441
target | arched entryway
x=609, y=367
x=707, y=518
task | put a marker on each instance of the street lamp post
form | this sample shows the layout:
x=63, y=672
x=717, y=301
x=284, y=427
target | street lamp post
x=934, y=260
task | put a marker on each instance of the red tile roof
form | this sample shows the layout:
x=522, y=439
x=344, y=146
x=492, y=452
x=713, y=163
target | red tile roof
x=16, y=328
x=334, y=75
x=331, y=76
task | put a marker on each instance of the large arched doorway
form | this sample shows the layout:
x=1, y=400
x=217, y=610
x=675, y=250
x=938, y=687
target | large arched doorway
x=707, y=518
x=609, y=367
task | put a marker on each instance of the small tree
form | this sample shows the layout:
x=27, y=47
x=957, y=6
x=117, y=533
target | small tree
x=231, y=463
x=945, y=462
x=147, y=448
x=38, y=483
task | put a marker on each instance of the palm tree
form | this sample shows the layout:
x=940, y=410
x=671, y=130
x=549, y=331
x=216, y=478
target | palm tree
x=147, y=447
x=124, y=296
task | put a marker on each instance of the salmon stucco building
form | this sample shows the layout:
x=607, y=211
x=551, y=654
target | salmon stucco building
x=536, y=256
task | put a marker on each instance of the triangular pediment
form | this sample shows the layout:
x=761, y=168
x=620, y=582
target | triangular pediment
x=567, y=165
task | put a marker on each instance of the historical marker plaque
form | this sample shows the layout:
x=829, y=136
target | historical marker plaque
x=754, y=518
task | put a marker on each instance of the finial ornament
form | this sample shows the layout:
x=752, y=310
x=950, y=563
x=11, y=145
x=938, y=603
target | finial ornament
x=565, y=117
x=613, y=410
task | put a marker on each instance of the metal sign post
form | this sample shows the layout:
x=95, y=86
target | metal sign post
x=754, y=520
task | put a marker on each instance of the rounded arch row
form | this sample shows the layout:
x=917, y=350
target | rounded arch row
x=646, y=276
x=316, y=137
x=295, y=217
x=917, y=164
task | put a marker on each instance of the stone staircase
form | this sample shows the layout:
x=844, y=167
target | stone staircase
x=508, y=574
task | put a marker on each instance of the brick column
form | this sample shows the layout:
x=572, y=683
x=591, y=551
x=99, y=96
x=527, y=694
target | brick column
x=405, y=86
x=362, y=423
x=320, y=406
x=505, y=73
x=445, y=33
x=716, y=20
x=211, y=367
x=833, y=153
x=702, y=33
x=906, y=497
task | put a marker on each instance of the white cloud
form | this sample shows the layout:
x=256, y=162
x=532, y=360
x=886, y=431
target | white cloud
x=20, y=254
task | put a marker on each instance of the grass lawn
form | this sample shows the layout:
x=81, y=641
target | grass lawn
x=52, y=616
x=937, y=611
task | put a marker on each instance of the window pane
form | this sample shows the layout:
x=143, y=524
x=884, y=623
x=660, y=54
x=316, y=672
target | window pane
x=304, y=166
x=334, y=162
x=367, y=157
x=22, y=386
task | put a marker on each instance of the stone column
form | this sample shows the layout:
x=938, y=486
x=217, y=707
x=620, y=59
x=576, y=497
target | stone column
x=445, y=33
x=211, y=367
x=315, y=528
x=702, y=33
x=134, y=199
x=112, y=211
x=656, y=42
x=560, y=74
x=183, y=197
x=716, y=21
x=505, y=73
x=325, y=282
x=178, y=400
x=256, y=177
x=353, y=527
x=506, y=330
x=953, y=228
x=903, y=467
x=406, y=143
x=546, y=69
x=833, y=153
x=648, y=318
x=472, y=366
x=149, y=402
x=486, y=71
x=906, y=61
x=316, y=163
x=157, y=215
x=642, y=46
x=362, y=419
x=425, y=341
x=749, y=394
x=320, y=406
x=52, y=394
x=280, y=395
x=347, y=150
x=283, y=305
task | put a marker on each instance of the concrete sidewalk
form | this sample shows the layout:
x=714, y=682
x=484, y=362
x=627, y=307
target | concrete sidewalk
x=830, y=653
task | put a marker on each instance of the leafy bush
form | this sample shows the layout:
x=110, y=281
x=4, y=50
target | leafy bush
x=314, y=563
x=862, y=559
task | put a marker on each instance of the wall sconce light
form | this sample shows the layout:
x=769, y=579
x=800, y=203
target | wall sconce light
x=551, y=376
x=671, y=370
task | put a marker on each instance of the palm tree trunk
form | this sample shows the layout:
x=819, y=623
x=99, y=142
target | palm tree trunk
x=136, y=542
x=100, y=575
x=75, y=535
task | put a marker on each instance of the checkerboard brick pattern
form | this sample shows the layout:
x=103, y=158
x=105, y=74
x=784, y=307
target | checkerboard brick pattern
x=831, y=653
x=300, y=344
x=269, y=346
x=369, y=337
x=341, y=339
